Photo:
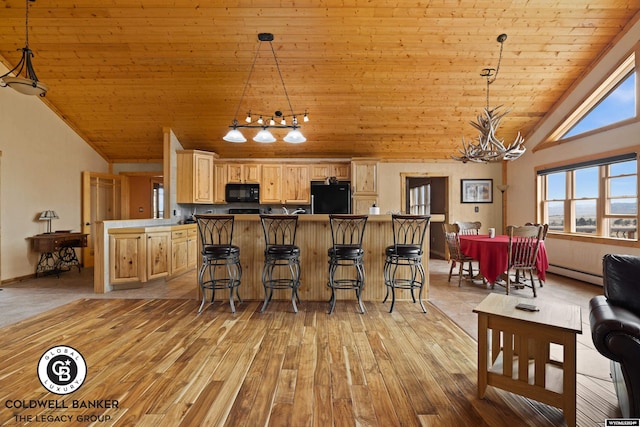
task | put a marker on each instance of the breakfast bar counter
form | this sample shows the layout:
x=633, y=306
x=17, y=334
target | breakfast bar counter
x=314, y=239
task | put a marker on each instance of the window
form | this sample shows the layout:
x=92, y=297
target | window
x=612, y=102
x=598, y=198
x=619, y=105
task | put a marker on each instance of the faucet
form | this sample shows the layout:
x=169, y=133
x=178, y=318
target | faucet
x=294, y=212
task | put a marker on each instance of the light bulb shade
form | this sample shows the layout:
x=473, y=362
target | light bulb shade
x=47, y=215
x=234, y=135
x=26, y=86
x=294, y=137
x=264, y=136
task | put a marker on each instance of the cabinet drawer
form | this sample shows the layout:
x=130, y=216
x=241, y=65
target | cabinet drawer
x=193, y=232
x=180, y=234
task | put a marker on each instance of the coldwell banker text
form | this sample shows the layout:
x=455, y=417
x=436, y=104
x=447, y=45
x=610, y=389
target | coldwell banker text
x=54, y=417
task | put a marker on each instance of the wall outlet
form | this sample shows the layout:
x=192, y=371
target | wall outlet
x=476, y=209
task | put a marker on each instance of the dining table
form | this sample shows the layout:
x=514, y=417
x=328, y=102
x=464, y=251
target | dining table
x=492, y=255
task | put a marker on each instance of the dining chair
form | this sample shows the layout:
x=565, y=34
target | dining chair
x=545, y=229
x=216, y=236
x=456, y=257
x=347, y=232
x=280, y=251
x=469, y=228
x=524, y=243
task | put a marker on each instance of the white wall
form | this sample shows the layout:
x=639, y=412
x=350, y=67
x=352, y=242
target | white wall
x=582, y=256
x=490, y=214
x=42, y=161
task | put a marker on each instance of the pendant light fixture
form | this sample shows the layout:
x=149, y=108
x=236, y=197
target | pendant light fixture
x=264, y=122
x=28, y=85
x=488, y=147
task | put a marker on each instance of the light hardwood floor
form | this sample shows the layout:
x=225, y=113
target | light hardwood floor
x=440, y=381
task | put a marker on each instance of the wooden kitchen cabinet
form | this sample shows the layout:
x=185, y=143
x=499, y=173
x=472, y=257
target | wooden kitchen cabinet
x=271, y=183
x=296, y=185
x=220, y=179
x=364, y=177
x=127, y=258
x=158, y=249
x=243, y=172
x=322, y=171
x=195, y=176
x=184, y=250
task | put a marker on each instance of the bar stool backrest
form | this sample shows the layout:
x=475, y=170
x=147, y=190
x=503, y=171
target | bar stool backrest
x=409, y=230
x=347, y=229
x=215, y=230
x=279, y=230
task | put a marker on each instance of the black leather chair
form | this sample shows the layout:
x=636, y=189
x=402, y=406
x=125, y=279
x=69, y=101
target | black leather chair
x=615, y=327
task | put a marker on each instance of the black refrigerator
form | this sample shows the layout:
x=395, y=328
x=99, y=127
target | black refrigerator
x=330, y=198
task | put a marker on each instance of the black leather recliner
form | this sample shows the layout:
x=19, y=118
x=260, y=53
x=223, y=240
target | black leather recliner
x=615, y=327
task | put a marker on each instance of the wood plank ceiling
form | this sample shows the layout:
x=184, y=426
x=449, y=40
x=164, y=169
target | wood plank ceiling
x=388, y=79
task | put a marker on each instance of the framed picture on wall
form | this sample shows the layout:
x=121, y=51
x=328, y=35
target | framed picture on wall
x=476, y=190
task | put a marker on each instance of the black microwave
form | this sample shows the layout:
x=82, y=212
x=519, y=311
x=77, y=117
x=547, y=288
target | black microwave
x=242, y=193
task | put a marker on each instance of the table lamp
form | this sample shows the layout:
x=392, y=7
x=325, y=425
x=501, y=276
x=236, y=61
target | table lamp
x=48, y=216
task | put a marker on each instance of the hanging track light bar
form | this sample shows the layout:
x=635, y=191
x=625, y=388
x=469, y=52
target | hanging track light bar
x=264, y=122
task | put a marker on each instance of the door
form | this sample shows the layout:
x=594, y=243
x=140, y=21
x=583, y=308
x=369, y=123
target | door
x=101, y=201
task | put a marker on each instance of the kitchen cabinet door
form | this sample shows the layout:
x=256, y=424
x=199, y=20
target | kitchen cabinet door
x=195, y=177
x=271, y=184
x=219, y=182
x=364, y=177
x=158, y=260
x=127, y=258
x=296, y=185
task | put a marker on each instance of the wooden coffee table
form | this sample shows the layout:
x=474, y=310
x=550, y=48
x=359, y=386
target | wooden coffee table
x=514, y=350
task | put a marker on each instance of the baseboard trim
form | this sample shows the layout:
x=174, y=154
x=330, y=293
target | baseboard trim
x=573, y=273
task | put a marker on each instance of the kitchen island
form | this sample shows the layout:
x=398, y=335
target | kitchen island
x=314, y=239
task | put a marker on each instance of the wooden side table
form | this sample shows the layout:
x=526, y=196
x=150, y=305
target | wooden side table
x=514, y=345
x=56, y=251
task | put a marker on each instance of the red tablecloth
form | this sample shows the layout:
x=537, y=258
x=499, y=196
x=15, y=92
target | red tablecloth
x=492, y=255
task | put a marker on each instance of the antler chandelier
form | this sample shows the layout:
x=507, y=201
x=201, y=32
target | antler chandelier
x=266, y=121
x=28, y=85
x=488, y=147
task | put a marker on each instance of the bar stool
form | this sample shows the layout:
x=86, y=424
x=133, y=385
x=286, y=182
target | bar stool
x=280, y=251
x=347, y=232
x=216, y=234
x=408, y=236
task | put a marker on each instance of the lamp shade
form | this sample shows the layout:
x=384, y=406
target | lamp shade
x=47, y=215
x=26, y=86
x=234, y=135
x=264, y=136
x=294, y=137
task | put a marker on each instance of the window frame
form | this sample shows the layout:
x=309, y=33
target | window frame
x=602, y=215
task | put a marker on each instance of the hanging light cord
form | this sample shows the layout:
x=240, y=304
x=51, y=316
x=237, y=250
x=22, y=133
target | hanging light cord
x=26, y=24
x=489, y=72
x=246, y=84
x=282, y=81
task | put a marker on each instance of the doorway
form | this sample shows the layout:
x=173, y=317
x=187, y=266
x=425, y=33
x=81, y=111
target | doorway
x=423, y=194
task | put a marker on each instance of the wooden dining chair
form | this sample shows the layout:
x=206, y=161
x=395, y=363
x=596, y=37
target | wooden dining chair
x=524, y=243
x=545, y=229
x=469, y=228
x=456, y=257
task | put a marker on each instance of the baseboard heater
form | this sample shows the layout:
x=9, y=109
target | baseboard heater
x=573, y=273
